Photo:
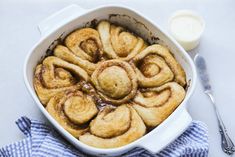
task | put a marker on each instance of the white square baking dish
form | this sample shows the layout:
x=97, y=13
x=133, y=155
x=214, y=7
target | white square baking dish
x=72, y=17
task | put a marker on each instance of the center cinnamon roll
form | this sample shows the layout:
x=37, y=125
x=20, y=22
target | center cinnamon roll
x=115, y=81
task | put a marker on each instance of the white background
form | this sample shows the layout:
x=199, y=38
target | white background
x=18, y=33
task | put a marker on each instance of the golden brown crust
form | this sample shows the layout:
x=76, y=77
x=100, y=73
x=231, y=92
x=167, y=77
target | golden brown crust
x=44, y=93
x=135, y=131
x=118, y=43
x=115, y=81
x=67, y=55
x=156, y=104
x=54, y=75
x=110, y=122
x=63, y=78
x=72, y=111
x=85, y=43
x=161, y=58
x=79, y=107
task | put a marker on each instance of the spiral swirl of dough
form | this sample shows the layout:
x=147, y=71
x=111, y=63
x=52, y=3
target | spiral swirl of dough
x=84, y=49
x=155, y=66
x=118, y=43
x=72, y=110
x=115, y=81
x=67, y=55
x=85, y=43
x=116, y=128
x=154, y=105
x=55, y=75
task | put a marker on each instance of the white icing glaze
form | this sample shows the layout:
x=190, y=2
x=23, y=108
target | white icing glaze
x=186, y=27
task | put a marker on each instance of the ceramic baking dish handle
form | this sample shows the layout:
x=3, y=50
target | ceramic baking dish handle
x=59, y=18
x=173, y=129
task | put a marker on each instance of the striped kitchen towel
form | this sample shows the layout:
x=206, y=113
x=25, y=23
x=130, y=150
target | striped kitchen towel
x=43, y=141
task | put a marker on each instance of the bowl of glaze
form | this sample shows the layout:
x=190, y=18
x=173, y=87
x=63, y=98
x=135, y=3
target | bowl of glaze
x=68, y=19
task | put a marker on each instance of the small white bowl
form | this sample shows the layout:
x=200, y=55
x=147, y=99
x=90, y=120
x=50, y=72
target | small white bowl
x=186, y=27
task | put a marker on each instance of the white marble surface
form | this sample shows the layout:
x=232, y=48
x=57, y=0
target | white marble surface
x=18, y=21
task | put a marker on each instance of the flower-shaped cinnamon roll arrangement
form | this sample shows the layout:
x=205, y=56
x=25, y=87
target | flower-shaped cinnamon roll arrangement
x=107, y=87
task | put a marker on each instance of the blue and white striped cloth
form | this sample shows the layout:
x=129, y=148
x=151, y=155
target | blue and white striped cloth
x=43, y=141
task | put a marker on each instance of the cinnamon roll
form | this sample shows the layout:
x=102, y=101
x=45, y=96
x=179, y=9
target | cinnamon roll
x=155, y=66
x=72, y=110
x=114, y=128
x=55, y=75
x=119, y=43
x=84, y=49
x=155, y=104
x=85, y=43
x=67, y=55
x=115, y=81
